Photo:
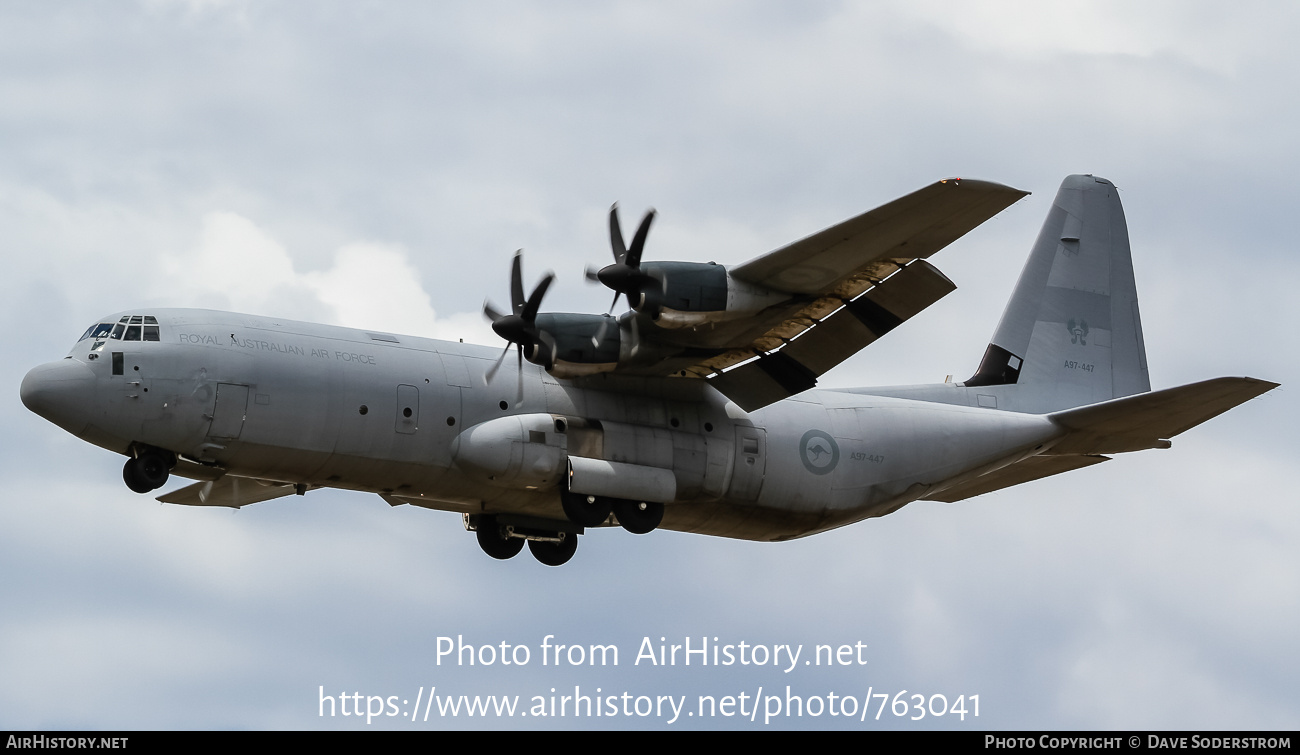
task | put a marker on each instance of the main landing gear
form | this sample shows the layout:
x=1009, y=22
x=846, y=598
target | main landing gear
x=147, y=470
x=553, y=542
x=637, y=517
x=504, y=540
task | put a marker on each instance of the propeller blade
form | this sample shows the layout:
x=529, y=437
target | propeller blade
x=549, y=341
x=492, y=371
x=600, y=332
x=519, y=393
x=529, y=312
x=616, y=235
x=593, y=274
x=491, y=312
x=517, y=283
x=638, y=241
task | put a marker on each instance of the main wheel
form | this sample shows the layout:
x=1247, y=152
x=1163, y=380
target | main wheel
x=555, y=554
x=639, y=517
x=494, y=542
x=586, y=510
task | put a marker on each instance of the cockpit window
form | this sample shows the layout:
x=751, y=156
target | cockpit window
x=99, y=330
x=129, y=328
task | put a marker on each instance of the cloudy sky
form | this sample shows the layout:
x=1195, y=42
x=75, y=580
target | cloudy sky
x=376, y=165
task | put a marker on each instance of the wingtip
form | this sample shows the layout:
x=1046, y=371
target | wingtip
x=977, y=184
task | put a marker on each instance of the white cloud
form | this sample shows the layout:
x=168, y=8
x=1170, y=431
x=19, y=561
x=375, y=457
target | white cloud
x=237, y=265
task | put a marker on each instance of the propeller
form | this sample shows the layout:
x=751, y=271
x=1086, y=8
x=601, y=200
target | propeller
x=624, y=277
x=519, y=327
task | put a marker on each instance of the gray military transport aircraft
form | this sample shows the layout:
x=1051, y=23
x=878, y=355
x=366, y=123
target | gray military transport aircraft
x=691, y=411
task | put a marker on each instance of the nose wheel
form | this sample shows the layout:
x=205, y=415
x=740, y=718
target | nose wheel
x=146, y=472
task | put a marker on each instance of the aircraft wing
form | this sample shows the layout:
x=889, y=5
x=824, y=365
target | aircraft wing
x=846, y=259
x=858, y=280
x=232, y=492
x=793, y=365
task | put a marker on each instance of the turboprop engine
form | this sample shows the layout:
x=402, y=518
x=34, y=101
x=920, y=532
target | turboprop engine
x=676, y=294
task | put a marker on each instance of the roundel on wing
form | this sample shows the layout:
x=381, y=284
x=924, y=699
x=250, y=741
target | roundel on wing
x=819, y=451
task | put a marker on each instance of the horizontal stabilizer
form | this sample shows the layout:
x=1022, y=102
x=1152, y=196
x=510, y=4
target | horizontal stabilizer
x=797, y=365
x=1033, y=468
x=1149, y=420
x=232, y=492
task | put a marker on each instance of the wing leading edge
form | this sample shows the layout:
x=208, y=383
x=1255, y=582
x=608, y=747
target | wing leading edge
x=868, y=248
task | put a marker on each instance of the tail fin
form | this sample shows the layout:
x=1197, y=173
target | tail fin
x=1071, y=334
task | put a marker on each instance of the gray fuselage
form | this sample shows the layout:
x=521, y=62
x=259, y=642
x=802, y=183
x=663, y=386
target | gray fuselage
x=323, y=406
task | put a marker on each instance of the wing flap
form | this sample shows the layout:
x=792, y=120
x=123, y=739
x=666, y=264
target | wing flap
x=1149, y=420
x=795, y=367
x=232, y=492
x=847, y=258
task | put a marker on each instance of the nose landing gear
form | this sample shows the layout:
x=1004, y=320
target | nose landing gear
x=148, y=470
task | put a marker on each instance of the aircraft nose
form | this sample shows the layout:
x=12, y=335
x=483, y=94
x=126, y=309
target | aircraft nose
x=58, y=392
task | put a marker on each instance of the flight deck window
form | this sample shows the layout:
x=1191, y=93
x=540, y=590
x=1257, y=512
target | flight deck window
x=99, y=331
x=129, y=328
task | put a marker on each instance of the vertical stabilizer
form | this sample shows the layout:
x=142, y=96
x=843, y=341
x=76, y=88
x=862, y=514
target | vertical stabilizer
x=1071, y=334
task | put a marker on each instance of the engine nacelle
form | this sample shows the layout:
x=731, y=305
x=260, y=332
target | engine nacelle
x=689, y=294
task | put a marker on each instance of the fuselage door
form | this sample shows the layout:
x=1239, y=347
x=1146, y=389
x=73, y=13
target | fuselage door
x=751, y=463
x=408, y=409
x=228, y=415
